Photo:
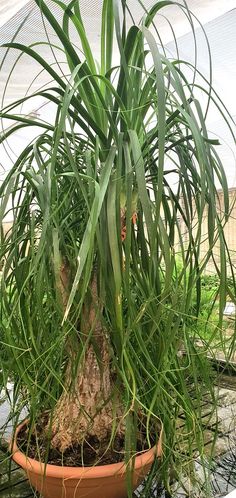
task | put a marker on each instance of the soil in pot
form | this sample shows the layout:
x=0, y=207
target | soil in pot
x=92, y=452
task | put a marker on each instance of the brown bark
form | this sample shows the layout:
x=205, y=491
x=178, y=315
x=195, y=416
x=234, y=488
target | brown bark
x=86, y=409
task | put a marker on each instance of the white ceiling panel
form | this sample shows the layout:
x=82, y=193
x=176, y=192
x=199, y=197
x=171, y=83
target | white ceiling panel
x=9, y=8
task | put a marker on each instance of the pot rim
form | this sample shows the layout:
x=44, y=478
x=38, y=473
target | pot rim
x=50, y=470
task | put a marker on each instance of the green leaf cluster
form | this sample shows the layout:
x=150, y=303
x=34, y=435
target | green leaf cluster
x=123, y=130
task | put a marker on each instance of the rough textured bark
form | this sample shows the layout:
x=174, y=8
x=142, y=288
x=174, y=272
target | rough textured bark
x=85, y=410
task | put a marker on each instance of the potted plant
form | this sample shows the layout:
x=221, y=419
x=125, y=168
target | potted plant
x=102, y=259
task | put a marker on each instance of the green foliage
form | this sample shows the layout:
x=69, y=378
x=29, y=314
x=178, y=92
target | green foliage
x=117, y=130
x=210, y=283
x=204, y=319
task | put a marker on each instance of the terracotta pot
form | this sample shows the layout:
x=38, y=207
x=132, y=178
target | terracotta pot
x=105, y=481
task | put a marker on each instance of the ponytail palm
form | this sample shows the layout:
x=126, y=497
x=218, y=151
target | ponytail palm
x=103, y=258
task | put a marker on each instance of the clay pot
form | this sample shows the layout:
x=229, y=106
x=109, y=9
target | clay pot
x=105, y=481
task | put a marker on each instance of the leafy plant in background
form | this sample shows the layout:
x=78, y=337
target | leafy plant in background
x=93, y=308
x=205, y=324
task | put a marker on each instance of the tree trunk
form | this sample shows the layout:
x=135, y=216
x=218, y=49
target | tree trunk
x=86, y=409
